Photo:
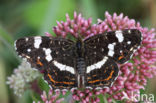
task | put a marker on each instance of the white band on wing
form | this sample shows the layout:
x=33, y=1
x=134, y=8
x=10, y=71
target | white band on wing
x=37, y=41
x=119, y=36
x=63, y=67
x=97, y=65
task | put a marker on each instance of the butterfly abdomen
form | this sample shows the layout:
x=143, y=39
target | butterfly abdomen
x=81, y=66
x=81, y=71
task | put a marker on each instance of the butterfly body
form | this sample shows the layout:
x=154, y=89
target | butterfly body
x=89, y=63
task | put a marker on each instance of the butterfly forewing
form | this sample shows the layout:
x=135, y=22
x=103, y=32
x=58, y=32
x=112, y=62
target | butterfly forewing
x=119, y=45
x=52, y=55
x=40, y=51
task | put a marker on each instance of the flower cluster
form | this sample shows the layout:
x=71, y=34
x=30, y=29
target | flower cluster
x=86, y=96
x=51, y=97
x=133, y=75
x=23, y=75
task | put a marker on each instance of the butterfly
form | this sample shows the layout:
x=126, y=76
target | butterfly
x=88, y=63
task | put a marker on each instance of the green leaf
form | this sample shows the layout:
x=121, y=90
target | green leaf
x=105, y=99
x=26, y=98
x=89, y=9
x=7, y=48
x=43, y=85
x=35, y=97
x=5, y=35
x=102, y=98
x=35, y=13
x=42, y=15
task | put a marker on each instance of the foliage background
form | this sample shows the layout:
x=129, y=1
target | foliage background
x=19, y=18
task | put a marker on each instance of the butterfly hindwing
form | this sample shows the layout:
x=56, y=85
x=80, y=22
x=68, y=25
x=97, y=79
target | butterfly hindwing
x=58, y=79
x=102, y=74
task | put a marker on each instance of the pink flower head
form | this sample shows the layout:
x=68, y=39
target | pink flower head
x=51, y=97
x=132, y=75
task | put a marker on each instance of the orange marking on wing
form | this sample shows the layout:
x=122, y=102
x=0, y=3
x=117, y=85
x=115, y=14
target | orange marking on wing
x=121, y=57
x=110, y=76
x=39, y=62
x=57, y=81
x=51, y=78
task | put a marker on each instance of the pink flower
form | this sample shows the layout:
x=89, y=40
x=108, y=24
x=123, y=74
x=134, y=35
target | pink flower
x=51, y=97
x=133, y=75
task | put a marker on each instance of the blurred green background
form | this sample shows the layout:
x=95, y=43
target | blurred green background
x=19, y=18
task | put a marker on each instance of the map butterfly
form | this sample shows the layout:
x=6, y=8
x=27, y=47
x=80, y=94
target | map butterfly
x=89, y=63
